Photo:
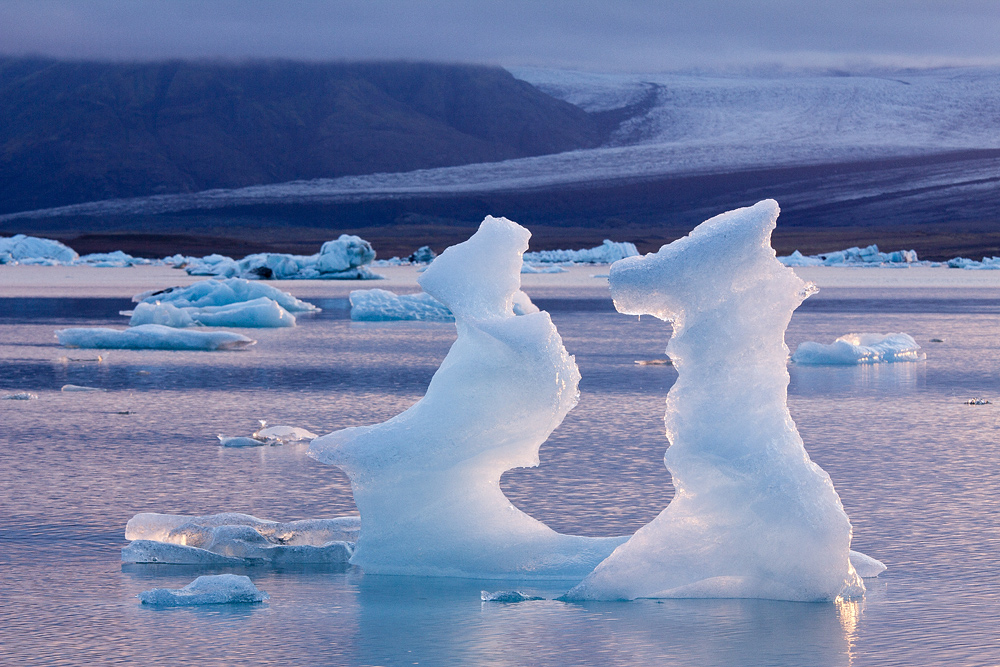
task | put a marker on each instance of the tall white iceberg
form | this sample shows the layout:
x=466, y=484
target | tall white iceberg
x=427, y=482
x=752, y=516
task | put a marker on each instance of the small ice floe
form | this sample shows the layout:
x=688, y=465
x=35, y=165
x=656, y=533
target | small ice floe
x=506, y=596
x=20, y=396
x=654, y=362
x=865, y=565
x=285, y=434
x=77, y=387
x=977, y=401
x=209, y=589
x=212, y=293
x=379, y=305
x=536, y=268
x=152, y=337
x=257, y=313
x=864, y=348
x=238, y=539
x=98, y=359
x=936, y=340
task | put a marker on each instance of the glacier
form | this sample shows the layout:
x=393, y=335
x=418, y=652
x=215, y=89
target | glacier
x=427, y=482
x=860, y=348
x=151, y=337
x=207, y=589
x=256, y=313
x=238, y=539
x=212, y=292
x=752, y=515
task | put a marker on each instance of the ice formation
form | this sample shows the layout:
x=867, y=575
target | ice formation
x=286, y=434
x=209, y=589
x=258, y=313
x=346, y=258
x=869, y=256
x=427, y=482
x=31, y=249
x=208, y=293
x=606, y=253
x=20, y=396
x=151, y=337
x=77, y=388
x=238, y=539
x=506, y=596
x=752, y=515
x=379, y=305
x=863, y=348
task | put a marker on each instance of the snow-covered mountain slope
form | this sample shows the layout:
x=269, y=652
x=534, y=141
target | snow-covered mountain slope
x=698, y=125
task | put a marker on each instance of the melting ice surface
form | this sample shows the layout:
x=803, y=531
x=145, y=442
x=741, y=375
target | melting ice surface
x=863, y=348
x=237, y=539
x=752, y=516
x=427, y=482
x=151, y=337
x=207, y=589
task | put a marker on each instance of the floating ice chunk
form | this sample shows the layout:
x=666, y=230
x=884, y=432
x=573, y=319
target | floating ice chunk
x=346, y=253
x=752, y=515
x=287, y=434
x=506, y=596
x=427, y=482
x=864, y=348
x=31, y=249
x=21, y=396
x=422, y=255
x=152, y=337
x=977, y=401
x=223, y=292
x=209, y=589
x=258, y=313
x=866, y=566
x=232, y=538
x=211, y=265
x=116, y=259
x=379, y=305
x=606, y=253
x=243, y=441
x=868, y=256
x=76, y=387
x=552, y=268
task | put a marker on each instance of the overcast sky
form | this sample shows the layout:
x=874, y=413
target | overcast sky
x=618, y=35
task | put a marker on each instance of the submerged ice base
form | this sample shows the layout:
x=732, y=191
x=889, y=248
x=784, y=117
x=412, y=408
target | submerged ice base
x=427, y=482
x=752, y=515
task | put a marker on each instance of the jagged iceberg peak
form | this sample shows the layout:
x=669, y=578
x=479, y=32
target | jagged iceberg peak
x=427, y=482
x=752, y=516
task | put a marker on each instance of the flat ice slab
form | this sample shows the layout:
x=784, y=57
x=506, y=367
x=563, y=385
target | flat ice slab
x=151, y=337
x=206, y=293
x=209, y=589
x=238, y=539
x=256, y=313
x=859, y=348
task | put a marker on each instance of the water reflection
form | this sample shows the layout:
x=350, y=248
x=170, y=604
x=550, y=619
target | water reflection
x=866, y=379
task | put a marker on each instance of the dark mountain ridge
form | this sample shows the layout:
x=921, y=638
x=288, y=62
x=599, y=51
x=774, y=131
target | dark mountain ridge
x=81, y=131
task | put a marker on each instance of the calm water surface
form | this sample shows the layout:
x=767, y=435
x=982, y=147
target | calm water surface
x=915, y=467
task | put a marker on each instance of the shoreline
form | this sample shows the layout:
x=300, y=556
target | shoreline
x=579, y=281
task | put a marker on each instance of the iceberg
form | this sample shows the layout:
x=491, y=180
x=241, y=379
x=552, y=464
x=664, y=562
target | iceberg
x=868, y=256
x=427, y=482
x=209, y=589
x=507, y=596
x=286, y=434
x=20, y=396
x=860, y=348
x=257, y=313
x=606, y=253
x=34, y=250
x=752, y=515
x=206, y=293
x=379, y=305
x=345, y=258
x=238, y=539
x=151, y=337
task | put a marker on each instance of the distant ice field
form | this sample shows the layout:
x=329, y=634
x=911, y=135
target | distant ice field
x=908, y=457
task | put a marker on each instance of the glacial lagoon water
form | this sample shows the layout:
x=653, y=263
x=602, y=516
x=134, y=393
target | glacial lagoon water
x=915, y=466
